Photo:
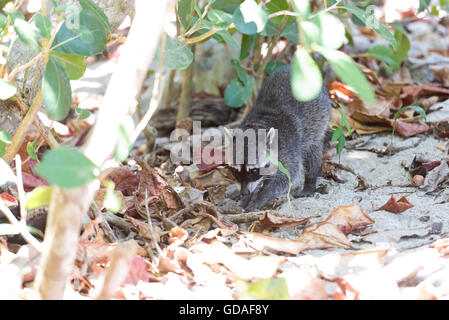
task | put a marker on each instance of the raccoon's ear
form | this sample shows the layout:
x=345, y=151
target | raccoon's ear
x=228, y=136
x=271, y=135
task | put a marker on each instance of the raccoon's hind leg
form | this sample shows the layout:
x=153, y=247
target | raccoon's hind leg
x=270, y=188
x=312, y=162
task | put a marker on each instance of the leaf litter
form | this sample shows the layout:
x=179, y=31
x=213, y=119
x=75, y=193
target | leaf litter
x=191, y=240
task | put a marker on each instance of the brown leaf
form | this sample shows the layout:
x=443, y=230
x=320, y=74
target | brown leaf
x=410, y=129
x=124, y=179
x=150, y=180
x=349, y=218
x=396, y=206
x=270, y=221
x=177, y=236
x=318, y=236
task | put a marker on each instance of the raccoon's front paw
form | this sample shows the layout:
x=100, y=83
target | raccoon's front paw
x=305, y=193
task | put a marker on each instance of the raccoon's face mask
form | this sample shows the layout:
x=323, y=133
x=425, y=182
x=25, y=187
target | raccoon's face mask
x=249, y=173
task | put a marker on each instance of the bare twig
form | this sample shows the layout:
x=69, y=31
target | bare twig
x=20, y=189
x=150, y=225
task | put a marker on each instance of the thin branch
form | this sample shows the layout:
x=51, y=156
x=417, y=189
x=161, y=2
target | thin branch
x=20, y=189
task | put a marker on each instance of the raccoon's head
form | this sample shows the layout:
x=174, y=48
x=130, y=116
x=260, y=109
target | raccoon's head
x=248, y=164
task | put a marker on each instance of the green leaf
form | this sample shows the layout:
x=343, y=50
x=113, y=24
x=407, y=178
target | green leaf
x=302, y=7
x=306, y=78
x=90, y=5
x=220, y=19
x=185, y=11
x=82, y=113
x=7, y=89
x=56, y=90
x=13, y=15
x=269, y=289
x=385, y=54
x=348, y=71
x=27, y=34
x=111, y=200
x=370, y=21
x=226, y=36
x=403, y=44
x=43, y=24
x=74, y=65
x=275, y=6
x=272, y=66
x=243, y=77
x=177, y=54
x=280, y=166
x=291, y=33
x=3, y=21
x=250, y=18
x=416, y=108
x=39, y=197
x=423, y=4
x=66, y=167
x=90, y=39
x=123, y=141
x=248, y=42
x=237, y=93
x=5, y=137
x=31, y=149
x=331, y=30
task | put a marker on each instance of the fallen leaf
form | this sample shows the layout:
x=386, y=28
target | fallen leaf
x=442, y=246
x=349, y=218
x=318, y=236
x=396, y=206
x=8, y=200
x=124, y=179
x=150, y=180
x=270, y=221
x=410, y=129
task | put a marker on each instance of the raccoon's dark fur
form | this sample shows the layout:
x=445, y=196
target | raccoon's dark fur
x=301, y=126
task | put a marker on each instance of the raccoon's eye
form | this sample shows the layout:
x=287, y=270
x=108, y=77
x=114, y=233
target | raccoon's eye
x=254, y=171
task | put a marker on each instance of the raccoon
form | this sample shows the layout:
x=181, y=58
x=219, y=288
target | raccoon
x=299, y=129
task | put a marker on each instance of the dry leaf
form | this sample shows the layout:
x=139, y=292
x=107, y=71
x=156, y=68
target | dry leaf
x=270, y=221
x=396, y=206
x=349, y=218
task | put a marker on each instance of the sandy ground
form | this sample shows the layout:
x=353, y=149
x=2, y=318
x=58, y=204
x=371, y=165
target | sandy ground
x=417, y=226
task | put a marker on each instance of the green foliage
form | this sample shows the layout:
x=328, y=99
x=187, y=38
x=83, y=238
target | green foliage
x=66, y=167
x=82, y=113
x=250, y=18
x=43, y=24
x=338, y=132
x=280, y=167
x=31, y=149
x=268, y=289
x=56, y=90
x=240, y=88
x=393, y=57
x=73, y=64
x=27, y=34
x=177, y=54
x=90, y=39
x=39, y=197
x=5, y=138
x=111, y=200
x=420, y=110
x=368, y=19
x=124, y=142
x=305, y=75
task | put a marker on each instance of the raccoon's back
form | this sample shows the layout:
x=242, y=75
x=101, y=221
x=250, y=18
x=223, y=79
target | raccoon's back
x=276, y=107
